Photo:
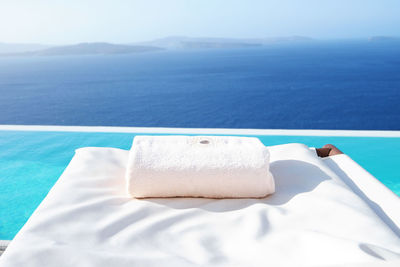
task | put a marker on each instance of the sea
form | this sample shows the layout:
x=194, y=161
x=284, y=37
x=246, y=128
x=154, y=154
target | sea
x=311, y=85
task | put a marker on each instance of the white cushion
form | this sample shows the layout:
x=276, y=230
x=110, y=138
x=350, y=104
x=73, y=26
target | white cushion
x=87, y=219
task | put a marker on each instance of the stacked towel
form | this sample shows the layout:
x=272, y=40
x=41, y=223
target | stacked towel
x=199, y=166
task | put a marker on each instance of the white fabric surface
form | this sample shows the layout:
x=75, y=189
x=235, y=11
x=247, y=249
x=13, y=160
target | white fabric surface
x=313, y=219
x=381, y=200
x=199, y=166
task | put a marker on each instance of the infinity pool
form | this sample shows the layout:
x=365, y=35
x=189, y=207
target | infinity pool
x=32, y=161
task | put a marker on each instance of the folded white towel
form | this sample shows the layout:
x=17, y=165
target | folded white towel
x=199, y=166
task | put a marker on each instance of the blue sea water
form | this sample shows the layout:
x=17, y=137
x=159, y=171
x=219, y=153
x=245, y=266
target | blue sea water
x=318, y=85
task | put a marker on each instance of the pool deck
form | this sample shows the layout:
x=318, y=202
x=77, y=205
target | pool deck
x=113, y=129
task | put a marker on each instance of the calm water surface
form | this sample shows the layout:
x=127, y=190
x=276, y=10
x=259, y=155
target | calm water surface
x=320, y=85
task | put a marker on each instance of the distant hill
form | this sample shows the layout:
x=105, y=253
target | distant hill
x=288, y=39
x=200, y=45
x=182, y=42
x=18, y=48
x=172, y=42
x=384, y=39
x=89, y=49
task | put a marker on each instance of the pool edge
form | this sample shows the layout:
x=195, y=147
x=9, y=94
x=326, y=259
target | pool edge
x=169, y=130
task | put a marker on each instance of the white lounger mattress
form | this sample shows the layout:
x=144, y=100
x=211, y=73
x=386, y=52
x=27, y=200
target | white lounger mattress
x=314, y=218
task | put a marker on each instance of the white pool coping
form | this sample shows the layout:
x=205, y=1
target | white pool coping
x=164, y=130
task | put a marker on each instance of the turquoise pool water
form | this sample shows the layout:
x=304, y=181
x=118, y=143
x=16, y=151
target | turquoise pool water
x=31, y=162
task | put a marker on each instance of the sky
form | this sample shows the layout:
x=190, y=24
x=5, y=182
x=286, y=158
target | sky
x=125, y=21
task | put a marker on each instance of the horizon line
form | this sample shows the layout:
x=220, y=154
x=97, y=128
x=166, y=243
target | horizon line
x=203, y=37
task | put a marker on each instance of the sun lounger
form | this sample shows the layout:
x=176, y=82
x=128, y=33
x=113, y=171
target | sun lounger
x=324, y=213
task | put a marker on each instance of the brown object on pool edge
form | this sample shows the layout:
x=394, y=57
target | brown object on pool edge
x=327, y=151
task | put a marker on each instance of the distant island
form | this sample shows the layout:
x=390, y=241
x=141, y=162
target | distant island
x=172, y=42
x=88, y=49
x=204, y=45
x=184, y=42
x=384, y=39
x=167, y=43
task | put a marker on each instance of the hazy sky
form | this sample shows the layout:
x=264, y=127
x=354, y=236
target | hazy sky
x=121, y=21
